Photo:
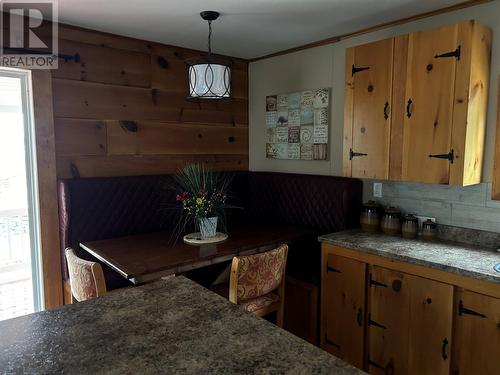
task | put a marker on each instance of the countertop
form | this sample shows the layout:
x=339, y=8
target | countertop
x=169, y=326
x=465, y=260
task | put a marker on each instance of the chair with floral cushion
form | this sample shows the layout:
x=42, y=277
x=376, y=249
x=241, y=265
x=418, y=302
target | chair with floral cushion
x=86, y=278
x=257, y=282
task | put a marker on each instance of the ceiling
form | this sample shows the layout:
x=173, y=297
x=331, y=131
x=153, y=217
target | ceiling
x=246, y=28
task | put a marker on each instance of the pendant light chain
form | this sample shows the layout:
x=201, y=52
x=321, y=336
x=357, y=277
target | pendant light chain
x=209, y=37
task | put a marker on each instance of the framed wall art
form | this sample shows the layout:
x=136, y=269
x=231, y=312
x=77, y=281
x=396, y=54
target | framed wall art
x=297, y=125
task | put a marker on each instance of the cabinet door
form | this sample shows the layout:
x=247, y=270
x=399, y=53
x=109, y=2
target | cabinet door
x=344, y=295
x=410, y=324
x=430, y=87
x=431, y=314
x=370, y=80
x=388, y=322
x=477, y=334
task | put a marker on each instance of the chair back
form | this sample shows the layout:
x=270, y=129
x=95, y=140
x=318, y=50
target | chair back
x=86, y=278
x=256, y=275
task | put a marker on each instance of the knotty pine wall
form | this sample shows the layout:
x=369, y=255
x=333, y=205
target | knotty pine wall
x=119, y=112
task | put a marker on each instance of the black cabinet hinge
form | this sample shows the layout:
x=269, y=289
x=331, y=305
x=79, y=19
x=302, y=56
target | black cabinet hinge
x=376, y=283
x=449, y=156
x=465, y=311
x=357, y=70
x=372, y=322
x=353, y=154
x=331, y=343
x=331, y=269
x=455, y=54
x=375, y=364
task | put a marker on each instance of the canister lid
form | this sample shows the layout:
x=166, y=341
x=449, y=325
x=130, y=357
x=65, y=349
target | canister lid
x=371, y=204
x=410, y=217
x=392, y=210
x=429, y=224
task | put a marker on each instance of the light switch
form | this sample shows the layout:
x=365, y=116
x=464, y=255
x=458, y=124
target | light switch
x=377, y=189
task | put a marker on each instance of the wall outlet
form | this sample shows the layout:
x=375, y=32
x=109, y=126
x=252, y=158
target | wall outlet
x=377, y=189
x=421, y=219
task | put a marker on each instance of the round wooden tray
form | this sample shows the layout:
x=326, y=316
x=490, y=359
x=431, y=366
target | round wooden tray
x=195, y=238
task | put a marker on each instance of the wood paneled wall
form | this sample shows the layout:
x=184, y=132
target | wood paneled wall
x=120, y=112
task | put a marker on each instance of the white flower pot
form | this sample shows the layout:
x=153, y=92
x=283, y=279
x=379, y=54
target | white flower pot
x=208, y=226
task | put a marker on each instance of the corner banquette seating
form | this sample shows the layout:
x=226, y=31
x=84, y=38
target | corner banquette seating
x=100, y=208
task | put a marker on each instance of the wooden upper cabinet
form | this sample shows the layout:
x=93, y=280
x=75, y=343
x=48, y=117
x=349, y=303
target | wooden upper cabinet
x=477, y=334
x=430, y=88
x=436, y=82
x=446, y=95
x=343, y=308
x=368, y=106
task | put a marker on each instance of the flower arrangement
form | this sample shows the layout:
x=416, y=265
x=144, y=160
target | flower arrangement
x=201, y=204
x=203, y=197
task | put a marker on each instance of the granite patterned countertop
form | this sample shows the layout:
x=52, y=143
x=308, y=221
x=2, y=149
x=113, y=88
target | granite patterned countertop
x=170, y=326
x=465, y=260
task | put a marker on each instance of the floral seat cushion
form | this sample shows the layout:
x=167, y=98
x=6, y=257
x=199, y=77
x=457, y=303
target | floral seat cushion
x=86, y=278
x=260, y=274
x=258, y=303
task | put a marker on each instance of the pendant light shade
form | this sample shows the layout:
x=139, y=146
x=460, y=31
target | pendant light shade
x=209, y=76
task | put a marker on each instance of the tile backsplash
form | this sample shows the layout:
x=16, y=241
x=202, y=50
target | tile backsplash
x=469, y=207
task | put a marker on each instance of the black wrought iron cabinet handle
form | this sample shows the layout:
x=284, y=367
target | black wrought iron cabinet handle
x=359, y=317
x=409, y=108
x=386, y=110
x=444, y=349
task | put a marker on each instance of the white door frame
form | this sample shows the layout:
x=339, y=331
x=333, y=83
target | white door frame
x=31, y=179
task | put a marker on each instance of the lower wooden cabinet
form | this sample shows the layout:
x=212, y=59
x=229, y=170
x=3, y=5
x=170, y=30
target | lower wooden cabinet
x=410, y=324
x=388, y=323
x=431, y=325
x=476, y=347
x=344, y=298
x=388, y=317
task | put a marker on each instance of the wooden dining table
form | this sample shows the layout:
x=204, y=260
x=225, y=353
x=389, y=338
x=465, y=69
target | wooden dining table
x=147, y=257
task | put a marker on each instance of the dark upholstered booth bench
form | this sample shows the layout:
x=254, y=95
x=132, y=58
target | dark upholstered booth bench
x=102, y=208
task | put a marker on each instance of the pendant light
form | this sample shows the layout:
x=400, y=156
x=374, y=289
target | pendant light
x=209, y=76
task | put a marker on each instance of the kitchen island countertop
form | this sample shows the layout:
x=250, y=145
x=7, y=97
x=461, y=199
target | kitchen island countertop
x=169, y=326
